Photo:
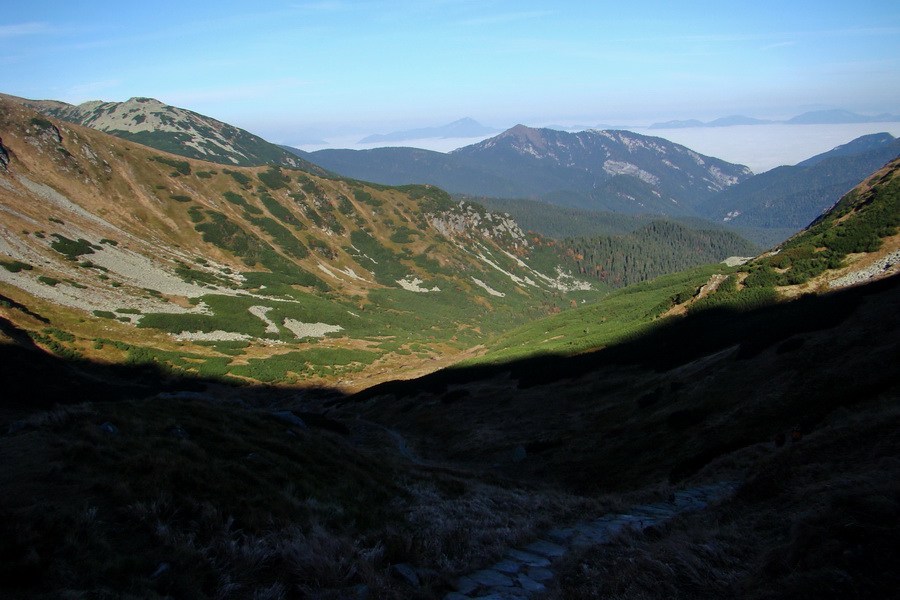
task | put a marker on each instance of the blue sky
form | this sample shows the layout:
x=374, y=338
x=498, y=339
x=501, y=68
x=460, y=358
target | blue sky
x=378, y=66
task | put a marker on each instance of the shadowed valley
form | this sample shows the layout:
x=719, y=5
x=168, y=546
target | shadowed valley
x=266, y=382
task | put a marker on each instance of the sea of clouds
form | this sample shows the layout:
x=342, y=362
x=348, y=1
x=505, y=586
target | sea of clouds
x=760, y=147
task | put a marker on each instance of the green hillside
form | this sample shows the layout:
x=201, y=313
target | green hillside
x=171, y=129
x=267, y=274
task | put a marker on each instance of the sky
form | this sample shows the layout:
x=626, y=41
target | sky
x=327, y=68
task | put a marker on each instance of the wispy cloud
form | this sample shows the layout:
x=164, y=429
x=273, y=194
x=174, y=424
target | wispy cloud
x=20, y=29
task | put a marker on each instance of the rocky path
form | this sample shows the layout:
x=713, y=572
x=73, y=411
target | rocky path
x=526, y=571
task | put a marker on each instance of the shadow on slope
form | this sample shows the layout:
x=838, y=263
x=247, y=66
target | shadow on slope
x=127, y=490
x=661, y=406
x=673, y=342
x=122, y=481
x=665, y=397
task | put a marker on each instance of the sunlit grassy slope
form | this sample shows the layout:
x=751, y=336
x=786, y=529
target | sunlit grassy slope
x=268, y=274
x=619, y=316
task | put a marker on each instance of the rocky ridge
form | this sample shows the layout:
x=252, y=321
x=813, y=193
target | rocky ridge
x=178, y=130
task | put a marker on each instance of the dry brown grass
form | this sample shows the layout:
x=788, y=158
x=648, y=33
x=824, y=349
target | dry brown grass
x=242, y=506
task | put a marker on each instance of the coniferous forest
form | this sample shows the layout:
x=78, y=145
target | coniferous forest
x=649, y=251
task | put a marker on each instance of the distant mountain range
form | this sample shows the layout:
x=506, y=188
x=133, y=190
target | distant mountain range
x=624, y=172
x=792, y=196
x=600, y=170
x=816, y=117
x=723, y=122
x=609, y=170
x=470, y=128
x=463, y=128
x=835, y=117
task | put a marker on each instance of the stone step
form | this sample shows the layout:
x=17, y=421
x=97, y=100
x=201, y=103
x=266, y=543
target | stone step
x=504, y=594
x=562, y=536
x=528, y=558
x=510, y=567
x=492, y=578
x=525, y=571
x=530, y=585
x=545, y=548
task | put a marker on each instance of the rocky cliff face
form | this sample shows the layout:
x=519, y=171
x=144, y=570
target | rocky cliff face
x=471, y=220
x=4, y=155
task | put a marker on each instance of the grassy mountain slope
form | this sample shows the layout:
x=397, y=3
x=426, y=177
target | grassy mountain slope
x=854, y=242
x=150, y=122
x=731, y=312
x=264, y=273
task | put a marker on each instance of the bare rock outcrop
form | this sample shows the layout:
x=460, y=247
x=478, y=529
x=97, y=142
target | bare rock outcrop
x=4, y=155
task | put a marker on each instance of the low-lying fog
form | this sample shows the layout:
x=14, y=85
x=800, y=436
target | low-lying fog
x=760, y=147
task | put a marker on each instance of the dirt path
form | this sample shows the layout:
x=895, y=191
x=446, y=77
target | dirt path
x=705, y=290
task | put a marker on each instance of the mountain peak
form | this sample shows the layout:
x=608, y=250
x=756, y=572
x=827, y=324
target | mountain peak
x=142, y=100
x=464, y=121
x=523, y=133
x=156, y=124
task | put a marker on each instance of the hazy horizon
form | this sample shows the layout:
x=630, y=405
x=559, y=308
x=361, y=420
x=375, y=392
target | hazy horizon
x=385, y=65
x=760, y=147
